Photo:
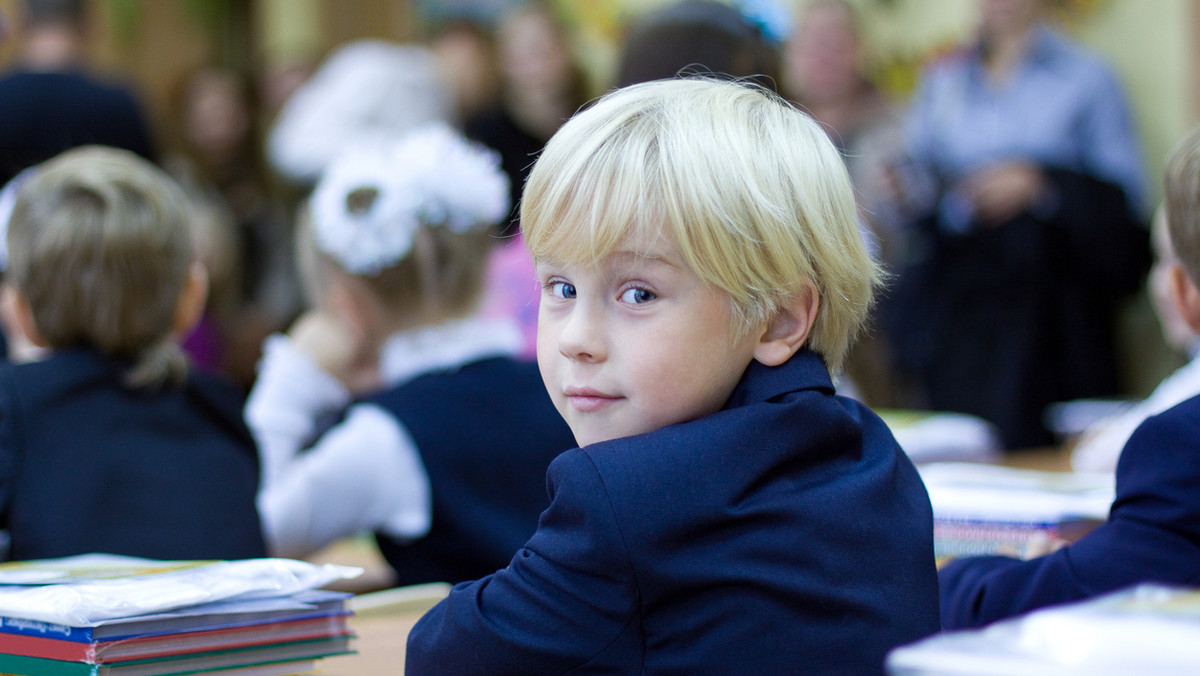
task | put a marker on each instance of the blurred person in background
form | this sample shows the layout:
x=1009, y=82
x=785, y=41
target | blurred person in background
x=244, y=225
x=1027, y=194
x=49, y=99
x=824, y=73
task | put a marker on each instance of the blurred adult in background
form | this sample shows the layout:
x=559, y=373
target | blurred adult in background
x=50, y=101
x=1027, y=192
x=243, y=228
x=466, y=56
x=542, y=85
x=824, y=73
x=697, y=36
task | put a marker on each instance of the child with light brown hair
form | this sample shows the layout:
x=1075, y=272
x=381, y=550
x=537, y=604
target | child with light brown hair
x=110, y=443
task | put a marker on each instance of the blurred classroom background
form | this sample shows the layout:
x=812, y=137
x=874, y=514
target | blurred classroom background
x=1154, y=46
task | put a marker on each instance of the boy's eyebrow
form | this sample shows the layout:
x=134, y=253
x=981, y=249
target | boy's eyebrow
x=633, y=255
x=662, y=257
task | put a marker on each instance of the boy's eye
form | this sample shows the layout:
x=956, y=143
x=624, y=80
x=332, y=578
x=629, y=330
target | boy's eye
x=562, y=289
x=637, y=295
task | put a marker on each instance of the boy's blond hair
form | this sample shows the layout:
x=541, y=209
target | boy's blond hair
x=1181, y=184
x=99, y=245
x=750, y=189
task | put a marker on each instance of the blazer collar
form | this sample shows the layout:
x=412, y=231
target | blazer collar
x=804, y=371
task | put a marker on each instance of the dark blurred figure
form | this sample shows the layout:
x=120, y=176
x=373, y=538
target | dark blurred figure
x=697, y=36
x=49, y=102
x=243, y=229
x=542, y=86
x=1027, y=192
x=467, y=58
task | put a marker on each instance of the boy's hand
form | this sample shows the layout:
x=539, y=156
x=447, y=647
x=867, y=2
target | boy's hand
x=338, y=350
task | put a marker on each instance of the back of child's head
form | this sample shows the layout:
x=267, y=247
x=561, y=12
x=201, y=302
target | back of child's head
x=701, y=36
x=99, y=246
x=411, y=221
x=750, y=189
x=1181, y=184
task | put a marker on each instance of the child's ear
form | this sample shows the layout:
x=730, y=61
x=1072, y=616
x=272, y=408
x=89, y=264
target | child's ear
x=1184, y=295
x=787, y=332
x=189, y=308
x=18, y=316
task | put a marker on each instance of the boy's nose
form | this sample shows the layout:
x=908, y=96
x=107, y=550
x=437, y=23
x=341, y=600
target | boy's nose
x=581, y=337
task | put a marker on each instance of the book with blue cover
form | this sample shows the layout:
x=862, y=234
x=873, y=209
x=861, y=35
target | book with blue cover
x=121, y=616
x=316, y=603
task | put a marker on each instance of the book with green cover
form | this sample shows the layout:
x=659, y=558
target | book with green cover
x=178, y=665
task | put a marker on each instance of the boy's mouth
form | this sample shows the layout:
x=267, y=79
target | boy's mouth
x=587, y=400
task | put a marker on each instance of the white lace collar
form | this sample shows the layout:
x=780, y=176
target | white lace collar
x=409, y=354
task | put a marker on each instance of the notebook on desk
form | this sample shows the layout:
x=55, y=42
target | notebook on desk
x=988, y=509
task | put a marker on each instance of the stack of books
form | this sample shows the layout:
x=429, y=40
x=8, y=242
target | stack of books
x=981, y=509
x=134, y=617
x=1147, y=629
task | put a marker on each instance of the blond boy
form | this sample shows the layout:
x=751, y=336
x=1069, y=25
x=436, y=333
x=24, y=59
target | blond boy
x=726, y=512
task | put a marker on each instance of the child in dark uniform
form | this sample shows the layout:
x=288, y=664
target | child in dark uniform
x=1153, y=528
x=109, y=443
x=725, y=512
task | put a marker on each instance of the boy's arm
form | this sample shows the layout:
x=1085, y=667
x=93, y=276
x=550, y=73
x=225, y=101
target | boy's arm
x=10, y=441
x=1151, y=535
x=567, y=596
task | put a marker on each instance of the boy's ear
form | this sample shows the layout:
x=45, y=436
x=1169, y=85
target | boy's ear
x=787, y=332
x=18, y=316
x=1185, y=296
x=189, y=307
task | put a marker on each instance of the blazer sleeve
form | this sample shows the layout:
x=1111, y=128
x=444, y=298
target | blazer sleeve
x=565, y=598
x=9, y=445
x=1152, y=535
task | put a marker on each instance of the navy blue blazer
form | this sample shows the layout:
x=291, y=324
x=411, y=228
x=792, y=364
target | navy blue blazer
x=787, y=531
x=1152, y=535
x=88, y=465
x=486, y=432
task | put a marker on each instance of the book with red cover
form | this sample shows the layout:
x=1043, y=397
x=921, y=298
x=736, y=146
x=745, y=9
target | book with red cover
x=156, y=646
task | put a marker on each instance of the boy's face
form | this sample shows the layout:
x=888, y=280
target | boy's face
x=635, y=343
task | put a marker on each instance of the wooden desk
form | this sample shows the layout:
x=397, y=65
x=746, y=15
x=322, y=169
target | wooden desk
x=362, y=552
x=381, y=622
x=1048, y=459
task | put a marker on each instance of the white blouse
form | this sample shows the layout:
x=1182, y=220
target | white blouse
x=365, y=473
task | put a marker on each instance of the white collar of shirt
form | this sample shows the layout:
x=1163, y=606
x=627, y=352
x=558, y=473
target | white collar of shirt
x=447, y=346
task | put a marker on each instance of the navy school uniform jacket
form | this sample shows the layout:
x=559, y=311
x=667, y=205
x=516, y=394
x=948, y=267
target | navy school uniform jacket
x=88, y=465
x=1152, y=535
x=787, y=533
x=486, y=433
